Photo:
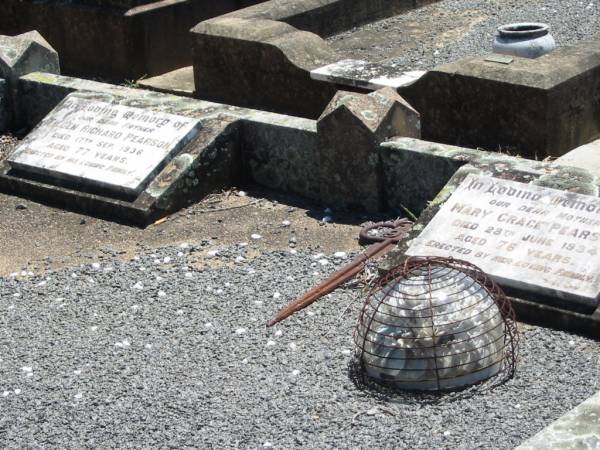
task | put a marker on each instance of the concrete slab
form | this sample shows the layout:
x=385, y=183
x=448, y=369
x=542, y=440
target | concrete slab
x=177, y=82
x=577, y=430
x=585, y=157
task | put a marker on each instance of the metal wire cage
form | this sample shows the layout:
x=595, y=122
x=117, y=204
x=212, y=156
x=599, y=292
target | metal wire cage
x=436, y=324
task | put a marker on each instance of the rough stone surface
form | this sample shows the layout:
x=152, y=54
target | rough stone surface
x=26, y=53
x=449, y=30
x=4, y=107
x=528, y=237
x=531, y=107
x=103, y=146
x=261, y=57
x=261, y=64
x=212, y=162
x=160, y=351
x=585, y=157
x=178, y=82
x=363, y=75
x=577, y=430
x=349, y=131
x=415, y=171
x=516, y=169
x=147, y=37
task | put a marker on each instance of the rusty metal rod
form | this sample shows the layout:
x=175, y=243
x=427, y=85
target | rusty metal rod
x=347, y=272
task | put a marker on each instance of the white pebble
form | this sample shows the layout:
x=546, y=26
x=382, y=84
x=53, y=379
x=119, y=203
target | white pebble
x=162, y=294
x=293, y=251
x=208, y=325
x=138, y=286
x=270, y=343
x=184, y=245
x=240, y=259
x=293, y=346
x=256, y=236
x=340, y=255
x=446, y=433
x=167, y=259
x=17, y=391
x=79, y=395
x=212, y=253
x=148, y=346
x=180, y=254
x=258, y=303
x=276, y=295
x=286, y=223
x=240, y=331
x=77, y=372
x=327, y=219
x=245, y=361
x=267, y=444
x=289, y=278
x=278, y=333
x=242, y=194
x=323, y=262
x=189, y=274
x=346, y=352
x=27, y=369
x=5, y=393
x=94, y=328
x=96, y=265
x=295, y=372
x=243, y=244
x=41, y=283
x=318, y=256
x=180, y=312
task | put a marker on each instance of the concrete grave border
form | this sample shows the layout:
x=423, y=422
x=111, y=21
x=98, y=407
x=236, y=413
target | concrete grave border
x=147, y=37
x=262, y=56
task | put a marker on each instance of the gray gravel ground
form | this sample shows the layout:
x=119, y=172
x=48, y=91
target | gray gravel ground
x=7, y=144
x=152, y=353
x=453, y=29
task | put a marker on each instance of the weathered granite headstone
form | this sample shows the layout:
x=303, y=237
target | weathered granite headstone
x=103, y=146
x=349, y=132
x=527, y=237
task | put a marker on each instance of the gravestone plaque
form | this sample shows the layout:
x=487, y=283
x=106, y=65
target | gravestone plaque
x=528, y=237
x=94, y=144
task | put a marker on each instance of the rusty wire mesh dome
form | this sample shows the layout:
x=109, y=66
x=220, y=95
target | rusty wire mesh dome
x=435, y=324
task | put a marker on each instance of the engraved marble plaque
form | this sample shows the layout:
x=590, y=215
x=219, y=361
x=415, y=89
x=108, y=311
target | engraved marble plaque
x=112, y=147
x=525, y=236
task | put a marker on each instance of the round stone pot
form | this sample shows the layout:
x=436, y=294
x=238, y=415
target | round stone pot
x=526, y=40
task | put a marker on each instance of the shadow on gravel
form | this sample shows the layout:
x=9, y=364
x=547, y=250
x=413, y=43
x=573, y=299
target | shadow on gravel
x=387, y=394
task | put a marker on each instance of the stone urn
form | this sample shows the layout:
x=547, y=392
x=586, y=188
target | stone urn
x=526, y=40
